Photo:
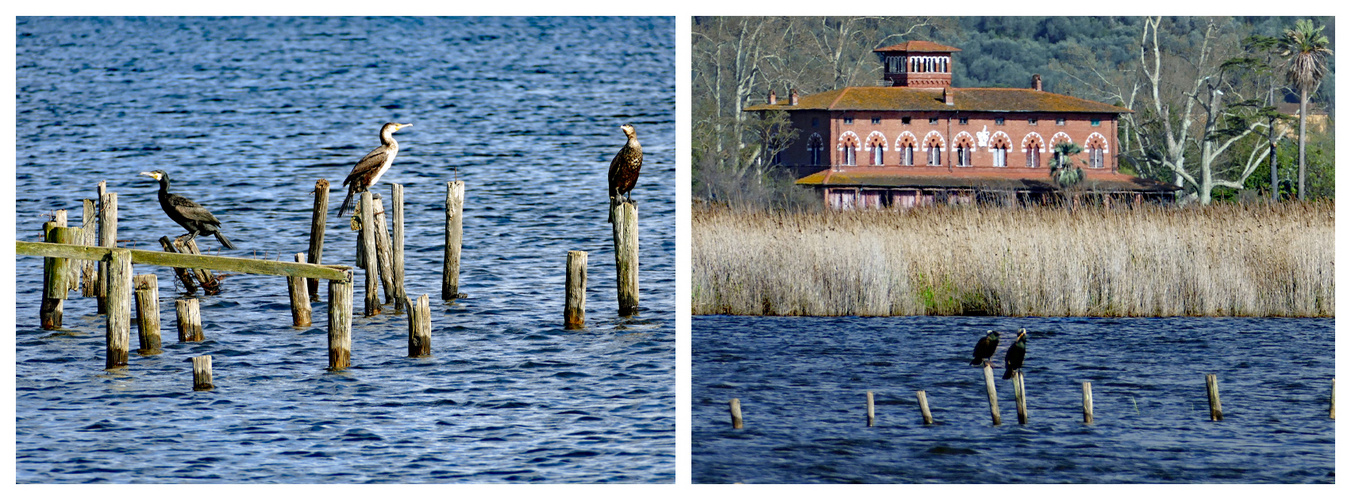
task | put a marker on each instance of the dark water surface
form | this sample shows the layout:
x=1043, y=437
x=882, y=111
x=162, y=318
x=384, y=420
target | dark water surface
x=802, y=384
x=246, y=114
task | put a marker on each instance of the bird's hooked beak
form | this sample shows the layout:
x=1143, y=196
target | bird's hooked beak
x=401, y=126
x=628, y=129
x=152, y=175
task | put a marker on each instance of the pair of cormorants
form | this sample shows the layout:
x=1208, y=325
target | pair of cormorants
x=1013, y=359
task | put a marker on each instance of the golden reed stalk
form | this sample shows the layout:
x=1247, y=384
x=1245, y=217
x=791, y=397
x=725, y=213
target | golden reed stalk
x=1219, y=260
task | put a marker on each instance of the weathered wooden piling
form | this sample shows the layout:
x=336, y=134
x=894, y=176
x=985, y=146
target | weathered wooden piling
x=871, y=416
x=300, y=297
x=201, y=373
x=107, y=238
x=71, y=276
x=1020, y=396
x=147, y=313
x=118, y=299
x=367, y=209
x=210, y=285
x=990, y=392
x=419, y=327
x=56, y=274
x=396, y=251
x=450, y=273
x=383, y=252
x=89, y=268
x=924, y=408
x=735, y=407
x=1213, y=394
x=1332, y=401
x=317, y=221
x=339, y=324
x=189, y=320
x=626, y=256
x=1088, y=402
x=574, y=307
x=183, y=275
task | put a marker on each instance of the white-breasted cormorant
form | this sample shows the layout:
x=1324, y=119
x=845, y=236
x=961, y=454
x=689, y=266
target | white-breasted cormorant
x=193, y=217
x=368, y=171
x=624, y=168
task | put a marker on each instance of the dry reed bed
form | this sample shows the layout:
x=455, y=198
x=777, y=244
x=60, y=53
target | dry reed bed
x=1220, y=260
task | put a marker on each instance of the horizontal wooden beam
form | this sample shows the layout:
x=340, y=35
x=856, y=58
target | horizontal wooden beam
x=230, y=264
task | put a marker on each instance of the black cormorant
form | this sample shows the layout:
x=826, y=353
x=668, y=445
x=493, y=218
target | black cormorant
x=985, y=347
x=1013, y=359
x=624, y=168
x=368, y=171
x=193, y=217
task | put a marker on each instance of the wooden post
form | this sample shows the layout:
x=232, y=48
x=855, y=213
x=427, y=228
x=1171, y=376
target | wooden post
x=201, y=373
x=990, y=392
x=574, y=307
x=147, y=312
x=383, y=253
x=56, y=274
x=419, y=327
x=396, y=251
x=1332, y=401
x=367, y=246
x=870, y=409
x=626, y=256
x=89, y=268
x=317, y=221
x=189, y=320
x=181, y=273
x=107, y=238
x=1213, y=394
x=1088, y=402
x=735, y=407
x=72, y=273
x=1020, y=396
x=210, y=285
x=339, y=324
x=924, y=408
x=118, y=301
x=450, y=273
x=300, y=298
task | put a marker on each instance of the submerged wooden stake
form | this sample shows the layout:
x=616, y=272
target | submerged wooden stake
x=56, y=274
x=1332, y=401
x=625, y=231
x=339, y=324
x=735, y=408
x=396, y=252
x=574, y=306
x=367, y=247
x=450, y=273
x=300, y=297
x=107, y=238
x=870, y=409
x=118, y=337
x=990, y=392
x=924, y=408
x=181, y=273
x=317, y=220
x=147, y=313
x=1088, y=402
x=210, y=285
x=201, y=373
x=189, y=320
x=384, y=254
x=1213, y=394
x=419, y=327
x=1020, y=396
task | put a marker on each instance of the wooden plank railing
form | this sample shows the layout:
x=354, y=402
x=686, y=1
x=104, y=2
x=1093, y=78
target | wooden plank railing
x=188, y=261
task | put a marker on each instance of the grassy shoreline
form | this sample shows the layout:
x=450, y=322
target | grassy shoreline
x=1219, y=260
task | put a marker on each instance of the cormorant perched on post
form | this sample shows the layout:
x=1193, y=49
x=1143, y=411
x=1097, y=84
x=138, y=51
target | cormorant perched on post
x=985, y=347
x=368, y=171
x=624, y=168
x=1013, y=360
x=193, y=217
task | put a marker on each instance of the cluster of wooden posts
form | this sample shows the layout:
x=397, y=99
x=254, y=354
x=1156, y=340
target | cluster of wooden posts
x=80, y=255
x=1020, y=401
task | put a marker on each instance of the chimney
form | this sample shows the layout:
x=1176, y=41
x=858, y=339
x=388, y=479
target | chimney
x=1036, y=82
x=792, y=97
x=947, y=96
x=773, y=99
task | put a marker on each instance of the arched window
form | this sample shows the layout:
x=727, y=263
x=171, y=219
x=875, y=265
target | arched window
x=933, y=144
x=963, y=144
x=1097, y=149
x=1033, y=146
x=1057, y=139
x=877, y=143
x=999, y=148
x=848, y=148
x=814, y=149
x=905, y=145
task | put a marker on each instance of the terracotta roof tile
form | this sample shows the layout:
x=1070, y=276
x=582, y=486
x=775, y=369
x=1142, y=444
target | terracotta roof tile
x=918, y=46
x=920, y=99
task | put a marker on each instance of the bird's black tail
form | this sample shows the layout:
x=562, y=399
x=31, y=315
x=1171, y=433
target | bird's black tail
x=224, y=241
x=976, y=362
x=346, y=203
x=1008, y=373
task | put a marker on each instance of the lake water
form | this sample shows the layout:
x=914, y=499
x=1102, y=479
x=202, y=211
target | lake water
x=246, y=114
x=802, y=384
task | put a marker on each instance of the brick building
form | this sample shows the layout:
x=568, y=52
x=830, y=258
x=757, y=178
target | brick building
x=917, y=140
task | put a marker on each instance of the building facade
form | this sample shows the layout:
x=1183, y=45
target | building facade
x=917, y=140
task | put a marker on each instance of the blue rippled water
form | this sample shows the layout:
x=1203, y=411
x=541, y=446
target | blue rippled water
x=802, y=385
x=246, y=114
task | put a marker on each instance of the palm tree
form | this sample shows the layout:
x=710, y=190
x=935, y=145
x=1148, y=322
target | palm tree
x=1306, y=51
x=1063, y=171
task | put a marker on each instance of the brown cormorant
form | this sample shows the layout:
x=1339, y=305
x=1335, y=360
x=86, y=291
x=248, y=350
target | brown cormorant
x=985, y=347
x=368, y=171
x=193, y=217
x=1013, y=359
x=624, y=169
